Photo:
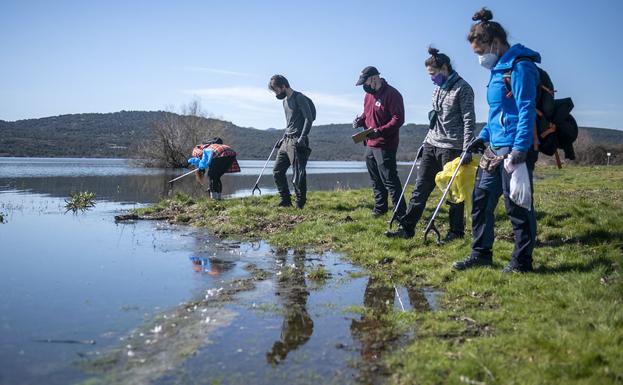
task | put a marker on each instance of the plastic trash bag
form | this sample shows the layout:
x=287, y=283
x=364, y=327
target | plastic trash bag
x=463, y=185
x=520, y=192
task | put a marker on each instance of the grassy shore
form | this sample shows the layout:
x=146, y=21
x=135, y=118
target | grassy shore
x=561, y=324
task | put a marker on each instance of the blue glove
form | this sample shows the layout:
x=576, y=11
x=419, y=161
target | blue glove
x=193, y=162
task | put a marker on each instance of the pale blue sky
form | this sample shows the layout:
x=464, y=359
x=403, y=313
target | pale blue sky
x=62, y=57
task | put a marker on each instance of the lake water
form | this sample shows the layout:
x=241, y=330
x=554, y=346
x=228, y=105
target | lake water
x=68, y=280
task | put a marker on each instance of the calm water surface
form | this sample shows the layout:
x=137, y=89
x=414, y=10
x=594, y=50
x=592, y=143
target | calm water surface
x=68, y=279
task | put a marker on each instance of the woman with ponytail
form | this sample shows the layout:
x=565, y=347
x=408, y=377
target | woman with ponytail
x=452, y=123
x=511, y=95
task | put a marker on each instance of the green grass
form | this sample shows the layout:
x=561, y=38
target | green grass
x=318, y=273
x=80, y=201
x=562, y=324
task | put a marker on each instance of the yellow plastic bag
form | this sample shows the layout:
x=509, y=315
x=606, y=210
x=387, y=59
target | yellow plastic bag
x=463, y=185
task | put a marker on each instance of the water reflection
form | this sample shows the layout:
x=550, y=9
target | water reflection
x=291, y=288
x=211, y=266
x=116, y=180
x=379, y=298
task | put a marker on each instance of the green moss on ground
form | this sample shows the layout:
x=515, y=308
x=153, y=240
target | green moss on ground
x=561, y=324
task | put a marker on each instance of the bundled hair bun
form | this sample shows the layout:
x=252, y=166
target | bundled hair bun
x=483, y=16
x=433, y=51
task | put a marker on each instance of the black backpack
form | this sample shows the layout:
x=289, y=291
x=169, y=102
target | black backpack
x=555, y=127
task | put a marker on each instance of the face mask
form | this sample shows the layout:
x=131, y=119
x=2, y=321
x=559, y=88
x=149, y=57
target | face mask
x=438, y=79
x=488, y=60
x=369, y=89
x=281, y=95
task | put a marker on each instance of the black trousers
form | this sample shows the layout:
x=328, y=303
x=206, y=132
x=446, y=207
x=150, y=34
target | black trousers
x=218, y=167
x=487, y=191
x=291, y=155
x=433, y=160
x=381, y=164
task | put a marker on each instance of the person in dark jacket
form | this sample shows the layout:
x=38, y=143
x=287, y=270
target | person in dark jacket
x=508, y=133
x=384, y=112
x=451, y=131
x=294, y=147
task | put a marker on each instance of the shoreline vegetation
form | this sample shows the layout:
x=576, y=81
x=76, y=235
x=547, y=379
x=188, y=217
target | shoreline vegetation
x=561, y=324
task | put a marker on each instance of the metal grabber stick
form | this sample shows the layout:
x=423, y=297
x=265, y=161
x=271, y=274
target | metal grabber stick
x=431, y=225
x=402, y=193
x=257, y=187
x=183, y=175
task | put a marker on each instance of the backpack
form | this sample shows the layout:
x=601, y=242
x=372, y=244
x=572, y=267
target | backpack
x=312, y=107
x=555, y=127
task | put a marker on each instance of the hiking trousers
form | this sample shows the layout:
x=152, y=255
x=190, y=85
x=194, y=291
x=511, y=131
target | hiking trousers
x=290, y=154
x=218, y=167
x=381, y=164
x=487, y=191
x=432, y=162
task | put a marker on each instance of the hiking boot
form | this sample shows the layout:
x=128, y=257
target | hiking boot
x=300, y=204
x=471, y=261
x=285, y=204
x=376, y=214
x=400, y=232
x=452, y=236
x=515, y=268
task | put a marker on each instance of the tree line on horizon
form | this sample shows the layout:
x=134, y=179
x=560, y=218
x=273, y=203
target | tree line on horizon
x=165, y=138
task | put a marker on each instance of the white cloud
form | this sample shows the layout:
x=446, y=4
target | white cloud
x=257, y=106
x=242, y=104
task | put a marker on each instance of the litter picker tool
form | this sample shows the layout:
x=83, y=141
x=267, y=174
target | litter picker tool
x=402, y=193
x=183, y=175
x=431, y=224
x=257, y=185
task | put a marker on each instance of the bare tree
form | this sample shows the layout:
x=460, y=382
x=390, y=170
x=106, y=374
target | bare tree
x=173, y=137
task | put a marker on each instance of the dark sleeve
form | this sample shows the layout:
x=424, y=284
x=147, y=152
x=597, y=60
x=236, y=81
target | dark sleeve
x=307, y=114
x=397, y=110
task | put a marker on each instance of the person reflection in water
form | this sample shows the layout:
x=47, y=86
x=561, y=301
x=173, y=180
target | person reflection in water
x=297, y=326
x=211, y=266
x=379, y=298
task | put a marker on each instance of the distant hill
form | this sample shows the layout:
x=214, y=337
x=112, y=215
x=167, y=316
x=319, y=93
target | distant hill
x=111, y=135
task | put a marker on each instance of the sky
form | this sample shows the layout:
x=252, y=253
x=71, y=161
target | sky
x=62, y=57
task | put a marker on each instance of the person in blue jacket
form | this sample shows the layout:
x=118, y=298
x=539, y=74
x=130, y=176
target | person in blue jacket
x=508, y=133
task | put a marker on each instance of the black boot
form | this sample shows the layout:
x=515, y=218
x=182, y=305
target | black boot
x=452, y=236
x=471, y=261
x=401, y=232
x=285, y=203
x=514, y=267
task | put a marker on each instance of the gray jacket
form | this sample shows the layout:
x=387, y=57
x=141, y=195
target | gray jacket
x=455, y=115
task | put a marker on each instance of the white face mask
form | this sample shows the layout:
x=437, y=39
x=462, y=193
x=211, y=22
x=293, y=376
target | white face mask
x=488, y=60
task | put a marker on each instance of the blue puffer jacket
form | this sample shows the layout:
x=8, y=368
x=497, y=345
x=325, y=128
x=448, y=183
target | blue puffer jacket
x=511, y=119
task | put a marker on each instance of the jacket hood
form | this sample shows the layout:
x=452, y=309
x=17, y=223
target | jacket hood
x=514, y=52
